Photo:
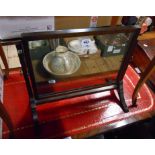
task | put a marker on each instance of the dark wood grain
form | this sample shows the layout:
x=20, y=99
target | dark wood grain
x=143, y=55
x=144, y=77
x=78, y=32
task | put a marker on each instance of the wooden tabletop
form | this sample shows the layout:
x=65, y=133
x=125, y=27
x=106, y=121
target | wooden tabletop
x=148, y=46
x=147, y=35
x=145, y=52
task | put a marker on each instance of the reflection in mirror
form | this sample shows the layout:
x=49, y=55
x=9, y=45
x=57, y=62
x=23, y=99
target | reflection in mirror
x=60, y=63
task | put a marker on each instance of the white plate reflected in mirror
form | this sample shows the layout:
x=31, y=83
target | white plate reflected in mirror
x=75, y=46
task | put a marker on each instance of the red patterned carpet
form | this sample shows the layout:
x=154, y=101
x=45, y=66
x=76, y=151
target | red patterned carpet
x=71, y=116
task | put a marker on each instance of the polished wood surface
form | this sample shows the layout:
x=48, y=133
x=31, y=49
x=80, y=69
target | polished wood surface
x=144, y=53
x=78, y=32
x=147, y=35
x=148, y=46
x=144, y=77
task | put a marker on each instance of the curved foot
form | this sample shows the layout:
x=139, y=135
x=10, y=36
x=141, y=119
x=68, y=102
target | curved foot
x=121, y=96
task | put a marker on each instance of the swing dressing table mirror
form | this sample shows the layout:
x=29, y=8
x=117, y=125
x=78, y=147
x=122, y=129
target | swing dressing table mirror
x=69, y=63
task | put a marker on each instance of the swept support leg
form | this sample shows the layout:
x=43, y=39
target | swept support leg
x=6, y=117
x=121, y=96
x=35, y=117
x=144, y=77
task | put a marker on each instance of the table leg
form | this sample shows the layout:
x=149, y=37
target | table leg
x=6, y=117
x=144, y=77
x=121, y=96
